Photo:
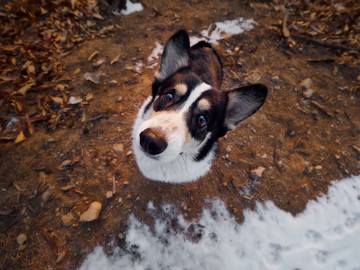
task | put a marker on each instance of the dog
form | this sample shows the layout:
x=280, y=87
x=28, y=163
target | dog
x=176, y=131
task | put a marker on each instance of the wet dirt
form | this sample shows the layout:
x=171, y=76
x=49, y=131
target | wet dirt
x=303, y=143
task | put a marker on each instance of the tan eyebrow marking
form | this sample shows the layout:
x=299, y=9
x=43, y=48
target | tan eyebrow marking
x=181, y=88
x=204, y=104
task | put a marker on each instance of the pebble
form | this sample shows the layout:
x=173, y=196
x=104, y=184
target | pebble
x=67, y=219
x=257, y=173
x=109, y=194
x=305, y=84
x=92, y=213
x=275, y=79
x=46, y=195
x=118, y=148
x=21, y=239
x=308, y=93
x=318, y=167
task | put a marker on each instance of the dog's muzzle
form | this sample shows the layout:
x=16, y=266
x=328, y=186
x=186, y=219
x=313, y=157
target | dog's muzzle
x=152, y=141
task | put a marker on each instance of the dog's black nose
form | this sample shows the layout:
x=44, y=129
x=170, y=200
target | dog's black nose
x=152, y=142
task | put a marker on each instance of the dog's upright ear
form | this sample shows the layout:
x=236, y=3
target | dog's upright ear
x=243, y=102
x=175, y=56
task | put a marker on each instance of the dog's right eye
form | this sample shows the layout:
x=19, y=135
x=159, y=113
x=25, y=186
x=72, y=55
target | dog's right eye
x=167, y=97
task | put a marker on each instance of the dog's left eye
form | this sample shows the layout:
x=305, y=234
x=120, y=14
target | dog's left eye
x=167, y=97
x=201, y=121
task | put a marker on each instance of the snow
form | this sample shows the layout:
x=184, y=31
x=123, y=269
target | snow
x=156, y=53
x=229, y=27
x=131, y=8
x=220, y=31
x=325, y=236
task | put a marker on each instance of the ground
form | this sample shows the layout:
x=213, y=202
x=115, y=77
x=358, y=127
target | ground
x=303, y=141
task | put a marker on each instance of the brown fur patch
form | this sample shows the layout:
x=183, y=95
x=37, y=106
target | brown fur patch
x=204, y=104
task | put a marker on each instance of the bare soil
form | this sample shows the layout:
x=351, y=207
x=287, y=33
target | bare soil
x=303, y=143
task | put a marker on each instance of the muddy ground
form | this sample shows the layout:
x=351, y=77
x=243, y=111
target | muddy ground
x=303, y=142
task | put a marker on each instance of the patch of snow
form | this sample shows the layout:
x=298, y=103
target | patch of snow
x=325, y=236
x=138, y=66
x=230, y=27
x=222, y=30
x=156, y=53
x=75, y=100
x=131, y=8
x=12, y=121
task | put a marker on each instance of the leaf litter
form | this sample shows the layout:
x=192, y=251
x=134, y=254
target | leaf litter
x=34, y=37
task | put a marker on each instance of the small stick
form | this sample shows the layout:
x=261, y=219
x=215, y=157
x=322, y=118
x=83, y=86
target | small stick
x=325, y=44
x=285, y=30
x=322, y=108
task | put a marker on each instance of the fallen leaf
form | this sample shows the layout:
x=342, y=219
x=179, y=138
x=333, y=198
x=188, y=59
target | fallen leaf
x=98, y=16
x=92, y=56
x=98, y=63
x=21, y=137
x=94, y=78
x=25, y=88
x=30, y=127
x=75, y=160
x=116, y=59
x=57, y=100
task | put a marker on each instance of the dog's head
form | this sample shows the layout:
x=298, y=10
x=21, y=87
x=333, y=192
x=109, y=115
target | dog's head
x=177, y=128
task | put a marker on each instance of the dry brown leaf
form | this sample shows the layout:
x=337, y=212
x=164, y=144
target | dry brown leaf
x=98, y=16
x=77, y=71
x=26, y=88
x=31, y=127
x=116, y=59
x=57, y=100
x=92, y=56
x=75, y=160
x=21, y=137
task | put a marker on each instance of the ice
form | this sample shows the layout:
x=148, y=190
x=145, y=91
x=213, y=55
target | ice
x=131, y=8
x=325, y=236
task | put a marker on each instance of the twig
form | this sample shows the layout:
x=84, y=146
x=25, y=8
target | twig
x=97, y=118
x=322, y=108
x=325, y=44
x=285, y=30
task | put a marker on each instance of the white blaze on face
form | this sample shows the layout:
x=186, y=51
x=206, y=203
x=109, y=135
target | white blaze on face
x=173, y=126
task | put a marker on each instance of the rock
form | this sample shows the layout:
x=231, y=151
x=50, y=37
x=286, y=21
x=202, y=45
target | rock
x=109, y=194
x=305, y=84
x=46, y=195
x=257, y=173
x=308, y=93
x=21, y=239
x=275, y=79
x=118, y=148
x=67, y=219
x=92, y=213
